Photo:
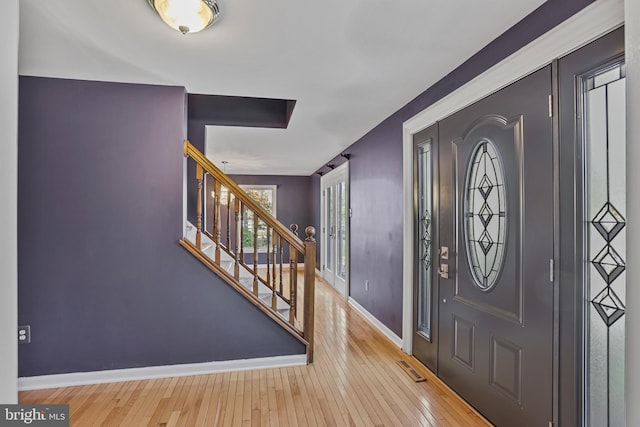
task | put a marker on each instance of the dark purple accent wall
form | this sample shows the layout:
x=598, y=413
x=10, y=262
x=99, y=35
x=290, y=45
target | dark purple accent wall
x=102, y=280
x=314, y=211
x=376, y=251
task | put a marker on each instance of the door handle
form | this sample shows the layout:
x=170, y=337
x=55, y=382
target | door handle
x=444, y=271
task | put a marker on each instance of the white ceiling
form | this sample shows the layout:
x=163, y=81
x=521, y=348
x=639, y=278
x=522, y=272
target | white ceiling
x=349, y=64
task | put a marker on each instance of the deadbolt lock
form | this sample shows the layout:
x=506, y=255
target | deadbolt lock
x=444, y=271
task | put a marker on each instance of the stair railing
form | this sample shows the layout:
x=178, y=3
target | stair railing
x=241, y=241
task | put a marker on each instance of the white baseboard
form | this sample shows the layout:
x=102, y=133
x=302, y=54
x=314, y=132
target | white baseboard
x=375, y=322
x=151, y=372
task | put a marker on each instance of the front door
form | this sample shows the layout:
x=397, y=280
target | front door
x=496, y=220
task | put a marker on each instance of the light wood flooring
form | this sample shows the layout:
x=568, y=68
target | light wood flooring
x=354, y=380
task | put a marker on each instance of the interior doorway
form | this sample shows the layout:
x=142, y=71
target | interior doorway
x=335, y=228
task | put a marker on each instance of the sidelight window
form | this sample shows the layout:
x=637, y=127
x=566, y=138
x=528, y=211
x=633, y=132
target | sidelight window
x=605, y=235
x=424, y=228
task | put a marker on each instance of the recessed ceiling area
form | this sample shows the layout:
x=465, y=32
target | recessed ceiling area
x=349, y=65
x=240, y=111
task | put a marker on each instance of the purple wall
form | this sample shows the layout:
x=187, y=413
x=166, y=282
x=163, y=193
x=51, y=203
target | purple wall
x=102, y=280
x=314, y=211
x=375, y=169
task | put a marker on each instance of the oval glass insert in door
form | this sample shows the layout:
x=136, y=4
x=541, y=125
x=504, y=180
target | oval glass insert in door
x=485, y=224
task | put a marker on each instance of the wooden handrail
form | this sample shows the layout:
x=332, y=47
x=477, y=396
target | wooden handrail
x=229, y=209
x=262, y=213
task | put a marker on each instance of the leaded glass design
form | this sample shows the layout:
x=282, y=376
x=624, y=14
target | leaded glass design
x=424, y=224
x=485, y=215
x=605, y=151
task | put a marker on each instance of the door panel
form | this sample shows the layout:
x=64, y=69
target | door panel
x=493, y=255
x=335, y=228
x=496, y=213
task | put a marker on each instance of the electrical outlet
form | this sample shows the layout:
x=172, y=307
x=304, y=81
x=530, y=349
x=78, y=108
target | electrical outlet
x=366, y=285
x=24, y=334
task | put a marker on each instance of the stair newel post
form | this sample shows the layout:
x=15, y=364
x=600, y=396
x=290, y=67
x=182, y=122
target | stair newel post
x=293, y=278
x=309, y=288
x=216, y=219
x=237, y=237
x=199, y=180
x=255, y=253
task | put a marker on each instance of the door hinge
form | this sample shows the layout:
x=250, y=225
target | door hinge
x=550, y=105
x=350, y=213
x=551, y=269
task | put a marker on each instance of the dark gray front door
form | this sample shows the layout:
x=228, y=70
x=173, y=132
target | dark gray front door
x=496, y=218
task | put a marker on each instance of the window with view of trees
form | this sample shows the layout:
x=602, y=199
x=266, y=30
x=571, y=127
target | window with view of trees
x=265, y=195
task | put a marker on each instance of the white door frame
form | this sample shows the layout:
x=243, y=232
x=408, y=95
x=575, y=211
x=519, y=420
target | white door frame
x=594, y=21
x=325, y=181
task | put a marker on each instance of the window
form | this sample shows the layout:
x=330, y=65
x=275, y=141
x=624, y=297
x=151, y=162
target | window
x=605, y=235
x=265, y=195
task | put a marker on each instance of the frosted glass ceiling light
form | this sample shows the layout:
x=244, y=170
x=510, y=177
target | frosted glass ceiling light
x=187, y=16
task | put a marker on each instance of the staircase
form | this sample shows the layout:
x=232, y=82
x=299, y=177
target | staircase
x=233, y=233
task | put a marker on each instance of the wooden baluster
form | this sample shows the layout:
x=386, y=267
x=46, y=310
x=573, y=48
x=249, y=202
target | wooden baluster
x=216, y=219
x=309, y=288
x=228, y=219
x=274, y=260
x=281, y=247
x=237, y=237
x=199, y=179
x=243, y=209
x=255, y=254
x=293, y=279
x=274, y=297
x=268, y=255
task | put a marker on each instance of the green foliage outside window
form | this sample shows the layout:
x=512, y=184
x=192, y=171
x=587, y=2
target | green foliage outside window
x=264, y=196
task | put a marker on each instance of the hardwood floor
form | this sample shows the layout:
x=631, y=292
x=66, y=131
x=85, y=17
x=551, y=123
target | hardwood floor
x=354, y=381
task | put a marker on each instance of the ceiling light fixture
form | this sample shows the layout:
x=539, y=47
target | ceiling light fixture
x=187, y=16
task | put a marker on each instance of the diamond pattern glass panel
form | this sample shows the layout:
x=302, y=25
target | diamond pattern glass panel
x=424, y=224
x=485, y=217
x=605, y=189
